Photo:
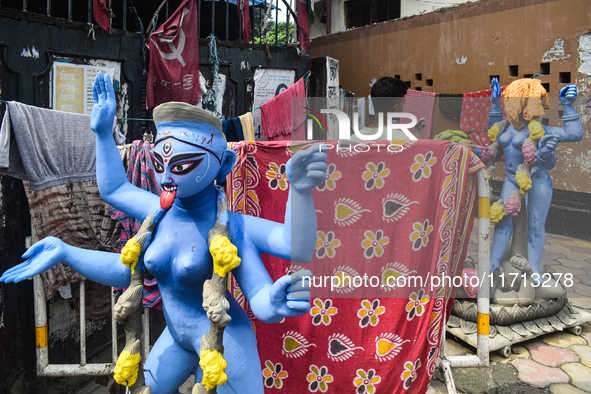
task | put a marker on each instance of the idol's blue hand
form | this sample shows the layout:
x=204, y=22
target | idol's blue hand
x=105, y=105
x=307, y=168
x=496, y=94
x=496, y=87
x=290, y=294
x=547, y=146
x=39, y=258
x=568, y=95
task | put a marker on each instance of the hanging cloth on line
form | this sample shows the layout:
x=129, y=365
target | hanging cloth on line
x=421, y=104
x=247, y=126
x=284, y=113
x=141, y=173
x=49, y=147
x=232, y=129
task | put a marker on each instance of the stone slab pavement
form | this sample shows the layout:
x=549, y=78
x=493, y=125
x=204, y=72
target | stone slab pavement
x=557, y=363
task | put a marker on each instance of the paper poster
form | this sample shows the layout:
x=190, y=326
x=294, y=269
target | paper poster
x=268, y=83
x=212, y=97
x=72, y=85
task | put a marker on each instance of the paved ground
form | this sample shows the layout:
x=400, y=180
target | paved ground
x=557, y=363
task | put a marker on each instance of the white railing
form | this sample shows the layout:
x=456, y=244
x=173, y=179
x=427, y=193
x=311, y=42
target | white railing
x=481, y=359
x=44, y=368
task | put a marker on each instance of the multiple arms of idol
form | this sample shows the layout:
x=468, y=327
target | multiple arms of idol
x=293, y=240
x=270, y=301
x=571, y=132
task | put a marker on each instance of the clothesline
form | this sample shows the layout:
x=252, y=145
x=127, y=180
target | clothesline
x=138, y=119
x=135, y=119
x=471, y=111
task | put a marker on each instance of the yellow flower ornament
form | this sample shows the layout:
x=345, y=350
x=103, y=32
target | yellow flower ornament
x=497, y=211
x=493, y=132
x=524, y=181
x=225, y=255
x=130, y=254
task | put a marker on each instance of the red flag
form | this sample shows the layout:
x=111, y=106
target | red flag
x=174, y=59
x=304, y=25
x=100, y=12
x=246, y=26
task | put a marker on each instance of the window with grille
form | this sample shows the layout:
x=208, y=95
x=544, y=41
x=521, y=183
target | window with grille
x=365, y=12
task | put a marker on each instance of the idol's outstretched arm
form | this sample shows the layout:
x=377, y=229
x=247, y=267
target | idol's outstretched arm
x=294, y=239
x=102, y=267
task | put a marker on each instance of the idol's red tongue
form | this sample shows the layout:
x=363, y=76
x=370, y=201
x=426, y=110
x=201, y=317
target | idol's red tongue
x=167, y=198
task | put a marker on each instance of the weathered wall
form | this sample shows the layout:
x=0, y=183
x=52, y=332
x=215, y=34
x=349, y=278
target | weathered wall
x=458, y=49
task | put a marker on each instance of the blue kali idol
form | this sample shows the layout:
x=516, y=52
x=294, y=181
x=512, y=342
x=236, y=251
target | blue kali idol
x=190, y=155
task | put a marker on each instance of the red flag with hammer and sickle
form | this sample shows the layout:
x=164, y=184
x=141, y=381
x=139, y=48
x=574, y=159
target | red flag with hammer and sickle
x=174, y=59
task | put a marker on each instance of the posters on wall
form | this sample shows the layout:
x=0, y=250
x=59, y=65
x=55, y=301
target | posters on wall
x=212, y=95
x=333, y=94
x=268, y=83
x=72, y=84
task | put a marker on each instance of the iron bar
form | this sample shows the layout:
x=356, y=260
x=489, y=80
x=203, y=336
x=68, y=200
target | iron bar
x=295, y=18
x=83, y=323
x=199, y=14
x=276, y=22
x=40, y=324
x=124, y=14
x=227, y=20
x=213, y=17
x=113, y=329
x=145, y=334
x=286, y=23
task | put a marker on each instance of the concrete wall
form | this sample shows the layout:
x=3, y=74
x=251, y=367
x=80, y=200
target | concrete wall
x=458, y=49
x=415, y=7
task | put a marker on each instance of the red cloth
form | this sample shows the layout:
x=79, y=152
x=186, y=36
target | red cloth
x=480, y=138
x=284, y=112
x=246, y=26
x=303, y=25
x=100, y=12
x=475, y=109
x=140, y=173
x=379, y=213
x=421, y=104
x=285, y=137
x=174, y=59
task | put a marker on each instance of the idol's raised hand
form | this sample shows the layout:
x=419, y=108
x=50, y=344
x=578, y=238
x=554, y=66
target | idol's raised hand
x=290, y=294
x=307, y=168
x=568, y=95
x=496, y=87
x=105, y=104
x=40, y=257
x=495, y=95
